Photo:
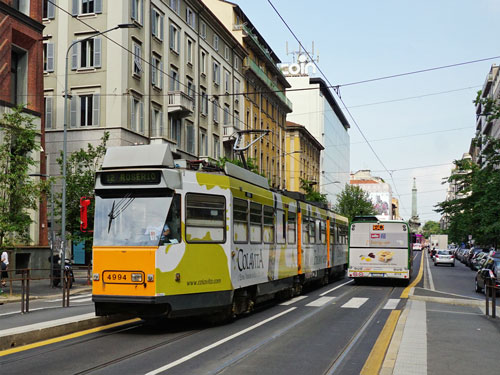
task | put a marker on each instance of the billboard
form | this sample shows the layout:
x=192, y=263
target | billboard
x=382, y=202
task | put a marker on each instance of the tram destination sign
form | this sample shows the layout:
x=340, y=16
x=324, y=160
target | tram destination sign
x=131, y=178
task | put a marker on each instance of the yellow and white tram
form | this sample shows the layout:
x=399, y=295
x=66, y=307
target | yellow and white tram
x=173, y=240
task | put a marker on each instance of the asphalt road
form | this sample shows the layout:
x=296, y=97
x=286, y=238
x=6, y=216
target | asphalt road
x=325, y=331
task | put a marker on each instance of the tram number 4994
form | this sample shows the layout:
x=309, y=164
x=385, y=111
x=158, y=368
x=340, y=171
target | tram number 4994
x=116, y=277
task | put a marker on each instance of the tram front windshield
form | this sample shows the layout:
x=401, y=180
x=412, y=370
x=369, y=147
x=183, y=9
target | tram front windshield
x=130, y=218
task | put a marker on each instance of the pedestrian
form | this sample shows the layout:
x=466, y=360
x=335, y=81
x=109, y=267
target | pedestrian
x=5, y=267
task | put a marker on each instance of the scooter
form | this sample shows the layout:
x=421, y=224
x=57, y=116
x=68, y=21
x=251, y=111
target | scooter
x=56, y=271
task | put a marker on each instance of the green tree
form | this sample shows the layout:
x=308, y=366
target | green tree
x=251, y=163
x=354, y=201
x=311, y=194
x=18, y=192
x=431, y=227
x=81, y=169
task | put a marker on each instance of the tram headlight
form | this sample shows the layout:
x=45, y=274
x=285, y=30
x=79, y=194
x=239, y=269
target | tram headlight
x=136, y=277
x=95, y=277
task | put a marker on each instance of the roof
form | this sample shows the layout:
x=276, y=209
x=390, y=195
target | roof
x=331, y=100
x=301, y=128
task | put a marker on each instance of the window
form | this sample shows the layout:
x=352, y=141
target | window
x=216, y=147
x=322, y=231
x=190, y=142
x=137, y=11
x=174, y=79
x=216, y=42
x=280, y=226
x=292, y=226
x=190, y=18
x=157, y=128
x=21, y=5
x=137, y=66
x=268, y=224
x=175, y=5
x=48, y=9
x=333, y=231
x=203, y=142
x=48, y=57
x=203, y=62
x=215, y=108
x=203, y=30
x=227, y=120
x=190, y=87
x=226, y=53
x=84, y=110
x=156, y=72
x=236, y=90
x=156, y=24
x=136, y=115
x=236, y=62
x=308, y=230
x=48, y=103
x=189, y=51
x=173, y=222
x=86, y=54
x=175, y=130
x=87, y=6
x=82, y=7
x=255, y=222
x=204, y=101
x=237, y=119
x=240, y=220
x=205, y=218
x=175, y=38
x=227, y=81
x=216, y=73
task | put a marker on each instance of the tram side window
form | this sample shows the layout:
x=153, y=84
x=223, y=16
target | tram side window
x=268, y=224
x=292, y=227
x=332, y=234
x=322, y=231
x=172, y=229
x=343, y=234
x=255, y=222
x=305, y=229
x=205, y=218
x=240, y=218
x=337, y=234
x=280, y=226
x=312, y=230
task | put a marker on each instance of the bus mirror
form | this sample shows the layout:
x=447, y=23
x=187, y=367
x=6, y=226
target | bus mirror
x=84, y=203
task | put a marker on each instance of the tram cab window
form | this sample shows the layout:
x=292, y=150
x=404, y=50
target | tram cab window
x=280, y=226
x=292, y=227
x=205, y=218
x=268, y=224
x=255, y=222
x=240, y=220
x=171, y=232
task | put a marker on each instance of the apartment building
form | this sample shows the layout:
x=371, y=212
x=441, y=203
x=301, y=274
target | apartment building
x=378, y=190
x=146, y=71
x=266, y=105
x=302, y=157
x=21, y=80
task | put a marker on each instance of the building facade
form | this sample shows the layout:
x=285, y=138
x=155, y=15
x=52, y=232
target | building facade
x=302, y=157
x=266, y=105
x=21, y=78
x=165, y=78
x=378, y=190
x=316, y=107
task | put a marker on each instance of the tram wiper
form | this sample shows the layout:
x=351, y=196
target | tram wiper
x=120, y=207
x=111, y=216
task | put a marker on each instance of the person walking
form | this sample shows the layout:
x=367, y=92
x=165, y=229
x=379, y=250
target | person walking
x=5, y=267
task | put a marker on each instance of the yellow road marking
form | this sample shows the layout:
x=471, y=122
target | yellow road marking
x=65, y=337
x=374, y=362
x=406, y=291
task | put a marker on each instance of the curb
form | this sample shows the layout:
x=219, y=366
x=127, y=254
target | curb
x=449, y=301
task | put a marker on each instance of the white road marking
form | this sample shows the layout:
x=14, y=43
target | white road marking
x=81, y=300
x=337, y=287
x=354, y=303
x=391, y=304
x=72, y=298
x=17, y=312
x=292, y=301
x=429, y=273
x=320, y=301
x=215, y=344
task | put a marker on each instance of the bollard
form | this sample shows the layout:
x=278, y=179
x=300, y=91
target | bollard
x=486, y=290
x=63, y=287
x=28, y=290
x=22, y=291
x=494, y=301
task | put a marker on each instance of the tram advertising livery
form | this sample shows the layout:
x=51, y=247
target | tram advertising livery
x=172, y=238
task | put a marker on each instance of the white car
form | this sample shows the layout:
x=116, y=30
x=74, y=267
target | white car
x=444, y=257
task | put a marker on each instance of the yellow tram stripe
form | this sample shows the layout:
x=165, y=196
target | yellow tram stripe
x=66, y=337
x=406, y=291
x=374, y=362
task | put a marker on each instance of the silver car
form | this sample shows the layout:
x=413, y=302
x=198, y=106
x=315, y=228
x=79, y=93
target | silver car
x=444, y=257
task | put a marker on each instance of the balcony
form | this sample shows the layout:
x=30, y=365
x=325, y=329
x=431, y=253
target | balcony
x=250, y=64
x=180, y=103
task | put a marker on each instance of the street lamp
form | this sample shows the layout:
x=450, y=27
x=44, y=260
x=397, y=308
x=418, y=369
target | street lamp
x=65, y=135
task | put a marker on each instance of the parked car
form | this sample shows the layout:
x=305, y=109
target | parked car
x=473, y=252
x=444, y=257
x=491, y=271
x=478, y=260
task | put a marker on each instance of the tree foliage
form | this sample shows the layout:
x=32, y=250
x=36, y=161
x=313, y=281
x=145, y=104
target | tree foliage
x=81, y=169
x=431, y=227
x=354, y=201
x=476, y=208
x=18, y=192
x=311, y=194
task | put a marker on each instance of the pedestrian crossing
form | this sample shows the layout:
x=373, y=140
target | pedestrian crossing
x=79, y=298
x=353, y=303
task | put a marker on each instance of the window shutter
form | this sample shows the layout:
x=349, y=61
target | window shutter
x=98, y=6
x=161, y=27
x=51, y=10
x=133, y=5
x=142, y=12
x=153, y=73
x=141, y=119
x=97, y=52
x=132, y=113
x=73, y=111
x=74, y=55
x=161, y=75
x=48, y=112
x=153, y=24
x=171, y=38
x=178, y=42
x=74, y=8
x=161, y=125
x=96, y=103
x=50, y=57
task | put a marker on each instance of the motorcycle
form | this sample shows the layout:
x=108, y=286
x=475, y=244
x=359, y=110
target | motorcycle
x=56, y=271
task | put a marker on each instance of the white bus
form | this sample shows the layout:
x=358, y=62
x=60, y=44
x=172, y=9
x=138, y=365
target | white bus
x=379, y=249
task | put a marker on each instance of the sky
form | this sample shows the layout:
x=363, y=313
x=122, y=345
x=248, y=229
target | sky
x=430, y=117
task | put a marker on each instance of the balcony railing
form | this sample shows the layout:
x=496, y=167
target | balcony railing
x=180, y=103
x=249, y=63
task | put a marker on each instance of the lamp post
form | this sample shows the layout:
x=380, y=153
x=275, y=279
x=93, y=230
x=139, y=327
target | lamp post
x=65, y=135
